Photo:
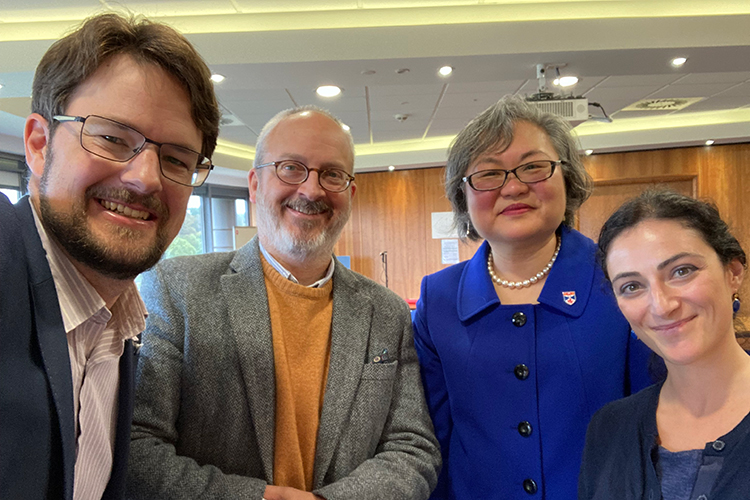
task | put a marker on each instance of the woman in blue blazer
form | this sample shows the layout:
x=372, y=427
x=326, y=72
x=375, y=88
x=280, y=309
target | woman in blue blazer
x=520, y=345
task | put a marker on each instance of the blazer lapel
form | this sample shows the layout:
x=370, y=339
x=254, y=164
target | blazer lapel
x=244, y=293
x=53, y=344
x=350, y=327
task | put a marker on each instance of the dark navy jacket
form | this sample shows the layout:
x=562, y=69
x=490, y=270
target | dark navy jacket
x=617, y=463
x=37, y=428
x=512, y=388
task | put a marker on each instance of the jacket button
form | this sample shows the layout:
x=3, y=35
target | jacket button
x=524, y=429
x=521, y=372
x=519, y=319
x=529, y=486
x=718, y=445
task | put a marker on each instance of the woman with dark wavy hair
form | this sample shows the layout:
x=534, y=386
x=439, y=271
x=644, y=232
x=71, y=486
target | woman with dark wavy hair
x=675, y=269
x=520, y=345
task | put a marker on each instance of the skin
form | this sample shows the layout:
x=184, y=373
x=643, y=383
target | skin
x=68, y=184
x=299, y=224
x=677, y=296
x=519, y=220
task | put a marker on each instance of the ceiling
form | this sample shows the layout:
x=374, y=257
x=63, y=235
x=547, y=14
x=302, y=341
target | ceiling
x=274, y=53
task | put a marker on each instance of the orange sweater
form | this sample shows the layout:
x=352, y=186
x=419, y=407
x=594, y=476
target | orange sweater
x=301, y=329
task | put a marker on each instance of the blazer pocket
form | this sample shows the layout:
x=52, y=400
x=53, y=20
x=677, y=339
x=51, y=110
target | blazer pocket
x=380, y=371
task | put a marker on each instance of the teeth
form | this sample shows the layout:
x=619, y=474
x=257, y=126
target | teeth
x=126, y=211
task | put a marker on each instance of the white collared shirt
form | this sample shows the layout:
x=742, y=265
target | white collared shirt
x=286, y=274
x=96, y=337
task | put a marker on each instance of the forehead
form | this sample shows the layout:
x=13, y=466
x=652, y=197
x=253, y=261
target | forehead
x=651, y=241
x=141, y=95
x=526, y=137
x=311, y=138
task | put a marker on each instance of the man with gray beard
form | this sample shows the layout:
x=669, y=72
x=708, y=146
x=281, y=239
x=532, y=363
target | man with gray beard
x=275, y=372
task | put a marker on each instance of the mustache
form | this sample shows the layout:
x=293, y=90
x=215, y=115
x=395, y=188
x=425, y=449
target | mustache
x=308, y=206
x=150, y=202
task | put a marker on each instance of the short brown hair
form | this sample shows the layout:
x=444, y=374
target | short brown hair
x=74, y=58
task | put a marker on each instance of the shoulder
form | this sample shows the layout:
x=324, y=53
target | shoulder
x=577, y=245
x=183, y=275
x=627, y=412
x=348, y=281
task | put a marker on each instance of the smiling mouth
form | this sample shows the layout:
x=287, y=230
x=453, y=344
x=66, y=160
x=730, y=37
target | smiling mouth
x=515, y=208
x=123, y=210
x=674, y=325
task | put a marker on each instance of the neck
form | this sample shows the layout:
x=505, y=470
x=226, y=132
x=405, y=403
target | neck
x=709, y=384
x=109, y=289
x=517, y=262
x=306, y=268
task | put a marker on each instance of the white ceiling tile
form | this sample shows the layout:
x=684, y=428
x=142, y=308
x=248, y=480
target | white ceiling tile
x=706, y=90
x=639, y=80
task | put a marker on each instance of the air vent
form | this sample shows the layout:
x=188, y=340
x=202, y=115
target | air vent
x=666, y=104
x=570, y=109
x=229, y=120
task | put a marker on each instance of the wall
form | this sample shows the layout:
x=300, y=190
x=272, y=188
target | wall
x=391, y=210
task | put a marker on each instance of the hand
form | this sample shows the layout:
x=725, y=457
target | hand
x=286, y=493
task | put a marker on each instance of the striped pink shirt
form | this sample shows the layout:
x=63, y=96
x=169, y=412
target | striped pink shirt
x=96, y=337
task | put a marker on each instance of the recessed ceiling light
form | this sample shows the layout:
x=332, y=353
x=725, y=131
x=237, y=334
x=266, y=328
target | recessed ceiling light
x=391, y=168
x=1, y=85
x=328, y=90
x=445, y=71
x=589, y=152
x=217, y=78
x=565, y=81
x=709, y=142
x=345, y=127
x=678, y=61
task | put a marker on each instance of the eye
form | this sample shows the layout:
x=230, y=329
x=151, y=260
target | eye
x=629, y=288
x=490, y=174
x=684, y=271
x=334, y=175
x=113, y=139
x=530, y=167
x=174, y=162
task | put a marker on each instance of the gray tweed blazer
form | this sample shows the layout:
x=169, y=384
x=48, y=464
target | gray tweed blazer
x=203, y=423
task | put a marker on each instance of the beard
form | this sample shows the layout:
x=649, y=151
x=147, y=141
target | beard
x=310, y=239
x=122, y=256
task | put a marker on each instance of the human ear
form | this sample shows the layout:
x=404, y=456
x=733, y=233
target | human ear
x=36, y=138
x=252, y=183
x=736, y=272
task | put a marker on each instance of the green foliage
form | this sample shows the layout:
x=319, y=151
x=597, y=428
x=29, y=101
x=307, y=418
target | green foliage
x=189, y=241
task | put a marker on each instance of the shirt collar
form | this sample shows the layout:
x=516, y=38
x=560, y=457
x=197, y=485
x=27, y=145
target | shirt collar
x=78, y=299
x=288, y=275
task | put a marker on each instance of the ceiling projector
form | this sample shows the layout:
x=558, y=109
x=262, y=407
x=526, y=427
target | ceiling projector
x=573, y=109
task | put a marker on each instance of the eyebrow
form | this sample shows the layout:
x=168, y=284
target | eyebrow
x=660, y=267
x=491, y=159
x=303, y=160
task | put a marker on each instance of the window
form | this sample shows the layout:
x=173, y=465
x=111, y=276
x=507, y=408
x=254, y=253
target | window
x=12, y=181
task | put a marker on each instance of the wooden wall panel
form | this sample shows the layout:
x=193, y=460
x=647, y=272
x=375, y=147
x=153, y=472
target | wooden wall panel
x=391, y=210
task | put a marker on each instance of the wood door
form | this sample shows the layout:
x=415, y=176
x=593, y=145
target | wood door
x=609, y=195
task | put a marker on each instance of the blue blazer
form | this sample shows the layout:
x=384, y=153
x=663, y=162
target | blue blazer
x=511, y=388
x=37, y=427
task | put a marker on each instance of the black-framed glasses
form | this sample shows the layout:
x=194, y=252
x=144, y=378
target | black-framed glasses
x=528, y=173
x=115, y=141
x=294, y=172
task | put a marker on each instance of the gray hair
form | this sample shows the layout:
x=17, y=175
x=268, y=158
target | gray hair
x=493, y=128
x=260, y=145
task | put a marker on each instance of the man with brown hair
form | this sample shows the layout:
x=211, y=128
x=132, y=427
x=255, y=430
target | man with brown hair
x=124, y=121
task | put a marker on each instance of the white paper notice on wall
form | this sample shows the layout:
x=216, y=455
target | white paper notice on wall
x=442, y=226
x=449, y=251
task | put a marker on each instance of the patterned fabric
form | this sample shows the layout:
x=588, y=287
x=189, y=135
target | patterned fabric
x=95, y=337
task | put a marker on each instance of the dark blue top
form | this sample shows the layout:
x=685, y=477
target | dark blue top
x=511, y=388
x=618, y=459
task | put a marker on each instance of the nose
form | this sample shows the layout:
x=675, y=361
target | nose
x=663, y=301
x=311, y=189
x=513, y=186
x=143, y=173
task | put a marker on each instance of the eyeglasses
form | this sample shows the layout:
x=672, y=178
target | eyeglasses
x=294, y=172
x=114, y=141
x=528, y=173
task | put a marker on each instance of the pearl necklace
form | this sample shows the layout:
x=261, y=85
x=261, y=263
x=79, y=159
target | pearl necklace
x=522, y=284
